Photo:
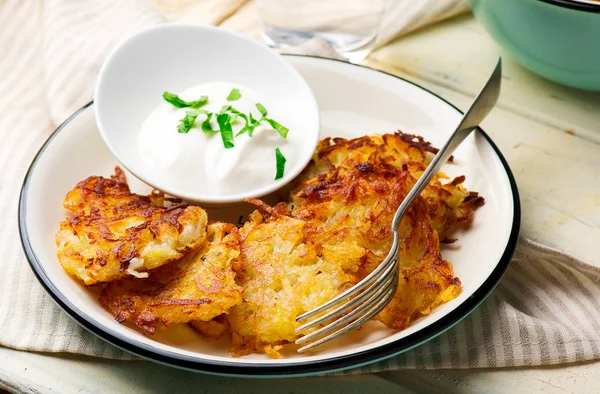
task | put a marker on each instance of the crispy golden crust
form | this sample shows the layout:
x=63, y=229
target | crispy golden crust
x=426, y=279
x=357, y=185
x=336, y=229
x=200, y=286
x=384, y=157
x=112, y=233
x=287, y=271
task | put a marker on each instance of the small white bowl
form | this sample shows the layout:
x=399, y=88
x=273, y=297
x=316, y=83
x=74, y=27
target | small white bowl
x=176, y=57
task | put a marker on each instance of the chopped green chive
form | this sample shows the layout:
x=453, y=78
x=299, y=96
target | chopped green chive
x=234, y=95
x=225, y=118
x=187, y=122
x=179, y=103
x=261, y=109
x=251, y=130
x=248, y=128
x=206, y=127
x=229, y=108
x=253, y=124
x=225, y=127
x=237, y=113
x=281, y=129
x=252, y=120
x=175, y=100
x=280, y=163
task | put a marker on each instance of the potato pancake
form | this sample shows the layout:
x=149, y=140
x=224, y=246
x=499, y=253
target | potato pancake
x=357, y=185
x=112, y=233
x=287, y=270
x=449, y=204
x=336, y=229
x=198, y=287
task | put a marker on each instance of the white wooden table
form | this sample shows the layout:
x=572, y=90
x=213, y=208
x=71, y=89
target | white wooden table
x=550, y=135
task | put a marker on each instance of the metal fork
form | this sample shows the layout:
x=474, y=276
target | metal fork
x=372, y=294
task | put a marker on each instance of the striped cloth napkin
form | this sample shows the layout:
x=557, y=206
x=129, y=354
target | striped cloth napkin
x=546, y=310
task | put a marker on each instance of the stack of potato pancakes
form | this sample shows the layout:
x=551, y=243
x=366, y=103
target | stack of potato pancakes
x=158, y=262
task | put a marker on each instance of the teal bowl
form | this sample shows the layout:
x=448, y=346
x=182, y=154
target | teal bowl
x=557, y=39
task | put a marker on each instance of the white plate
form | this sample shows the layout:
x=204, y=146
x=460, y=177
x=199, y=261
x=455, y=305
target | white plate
x=354, y=101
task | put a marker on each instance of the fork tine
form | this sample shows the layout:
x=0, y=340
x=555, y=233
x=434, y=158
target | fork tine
x=389, y=284
x=334, y=313
x=364, y=283
x=356, y=323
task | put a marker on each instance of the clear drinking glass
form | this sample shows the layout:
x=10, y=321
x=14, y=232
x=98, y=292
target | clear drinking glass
x=350, y=26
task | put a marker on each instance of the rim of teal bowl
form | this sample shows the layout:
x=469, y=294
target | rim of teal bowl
x=575, y=5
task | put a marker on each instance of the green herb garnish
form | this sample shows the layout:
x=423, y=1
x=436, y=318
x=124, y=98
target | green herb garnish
x=187, y=122
x=224, y=121
x=253, y=124
x=206, y=127
x=242, y=131
x=281, y=129
x=280, y=163
x=261, y=109
x=225, y=118
x=252, y=120
x=234, y=95
x=236, y=113
x=229, y=108
x=179, y=103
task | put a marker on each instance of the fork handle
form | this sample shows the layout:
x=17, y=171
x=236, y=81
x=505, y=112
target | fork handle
x=483, y=104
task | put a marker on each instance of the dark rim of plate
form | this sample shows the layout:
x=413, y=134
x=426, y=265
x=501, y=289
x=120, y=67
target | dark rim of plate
x=291, y=368
x=575, y=5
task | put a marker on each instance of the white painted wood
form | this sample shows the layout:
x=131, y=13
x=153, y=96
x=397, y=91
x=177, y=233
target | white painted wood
x=24, y=372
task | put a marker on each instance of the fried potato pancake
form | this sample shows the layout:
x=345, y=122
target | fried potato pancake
x=335, y=229
x=198, y=287
x=287, y=271
x=449, y=204
x=112, y=233
x=357, y=185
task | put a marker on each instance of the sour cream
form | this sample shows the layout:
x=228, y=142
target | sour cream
x=199, y=160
